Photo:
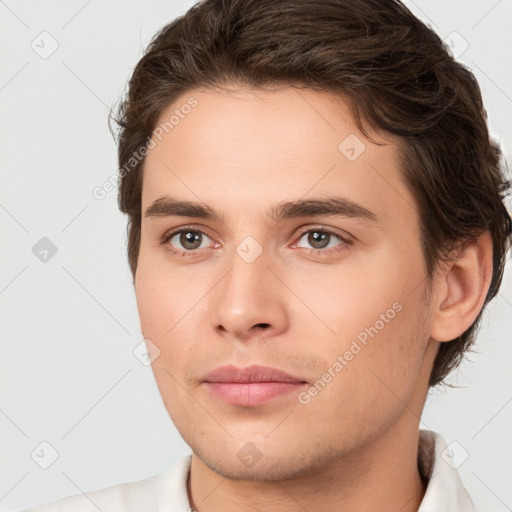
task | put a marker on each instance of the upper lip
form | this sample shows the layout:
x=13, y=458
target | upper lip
x=249, y=374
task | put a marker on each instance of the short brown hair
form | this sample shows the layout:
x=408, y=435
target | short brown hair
x=394, y=71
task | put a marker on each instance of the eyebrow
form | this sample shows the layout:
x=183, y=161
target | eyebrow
x=167, y=206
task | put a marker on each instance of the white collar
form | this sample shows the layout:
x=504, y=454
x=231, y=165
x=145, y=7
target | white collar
x=445, y=491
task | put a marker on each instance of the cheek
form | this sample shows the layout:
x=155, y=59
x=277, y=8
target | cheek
x=380, y=325
x=171, y=313
x=377, y=379
x=150, y=303
x=351, y=299
x=165, y=318
x=163, y=296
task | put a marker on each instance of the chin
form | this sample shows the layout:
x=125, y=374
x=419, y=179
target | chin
x=268, y=464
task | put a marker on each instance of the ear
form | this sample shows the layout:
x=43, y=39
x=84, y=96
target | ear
x=462, y=287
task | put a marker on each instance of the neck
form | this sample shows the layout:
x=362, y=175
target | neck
x=381, y=475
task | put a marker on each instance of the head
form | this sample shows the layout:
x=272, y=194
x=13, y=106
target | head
x=347, y=226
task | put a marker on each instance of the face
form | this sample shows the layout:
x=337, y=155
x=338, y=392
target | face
x=281, y=279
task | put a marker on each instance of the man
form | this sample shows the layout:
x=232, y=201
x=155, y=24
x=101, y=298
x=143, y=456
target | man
x=316, y=223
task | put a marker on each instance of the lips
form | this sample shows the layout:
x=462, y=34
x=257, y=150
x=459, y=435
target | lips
x=248, y=375
x=250, y=386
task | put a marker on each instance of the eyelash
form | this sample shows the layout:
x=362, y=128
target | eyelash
x=312, y=252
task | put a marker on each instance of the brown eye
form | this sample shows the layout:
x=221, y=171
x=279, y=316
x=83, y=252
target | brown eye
x=190, y=239
x=319, y=239
x=187, y=240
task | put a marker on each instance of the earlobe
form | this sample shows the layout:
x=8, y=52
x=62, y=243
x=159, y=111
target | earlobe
x=462, y=289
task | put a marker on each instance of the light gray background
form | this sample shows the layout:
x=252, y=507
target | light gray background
x=69, y=326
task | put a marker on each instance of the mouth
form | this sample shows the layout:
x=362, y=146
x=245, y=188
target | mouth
x=250, y=386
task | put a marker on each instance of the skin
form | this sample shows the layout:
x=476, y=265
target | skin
x=297, y=306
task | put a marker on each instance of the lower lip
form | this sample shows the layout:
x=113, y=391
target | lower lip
x=251, y=393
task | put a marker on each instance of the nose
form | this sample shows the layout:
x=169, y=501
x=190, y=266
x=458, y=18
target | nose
x=249, y=301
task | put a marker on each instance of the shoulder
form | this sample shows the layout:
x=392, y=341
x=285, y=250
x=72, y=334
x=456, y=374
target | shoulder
x=125, y=497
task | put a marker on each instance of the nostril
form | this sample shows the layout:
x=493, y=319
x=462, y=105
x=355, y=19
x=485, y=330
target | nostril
x=262, y=325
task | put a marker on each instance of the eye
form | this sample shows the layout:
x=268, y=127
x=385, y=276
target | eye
x=186, y=241
x=322, y=240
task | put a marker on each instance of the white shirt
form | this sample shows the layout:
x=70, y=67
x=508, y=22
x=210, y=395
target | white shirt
x=167, y=492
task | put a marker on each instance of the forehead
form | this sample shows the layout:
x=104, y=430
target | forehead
x=256, y=147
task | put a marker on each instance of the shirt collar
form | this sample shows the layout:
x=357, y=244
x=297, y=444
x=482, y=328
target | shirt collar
x=445, y=491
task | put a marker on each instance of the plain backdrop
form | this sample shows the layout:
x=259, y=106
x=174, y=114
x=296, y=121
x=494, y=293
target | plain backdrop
x=73, y=395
